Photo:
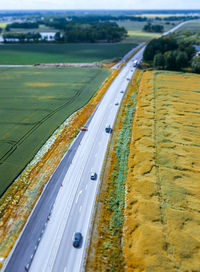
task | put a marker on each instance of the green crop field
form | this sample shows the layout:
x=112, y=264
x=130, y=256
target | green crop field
x=33, y=103
x=190, y=27
x=135, y=33
x=61, y=53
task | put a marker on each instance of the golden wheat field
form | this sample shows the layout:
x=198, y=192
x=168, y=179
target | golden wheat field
x=162, y=214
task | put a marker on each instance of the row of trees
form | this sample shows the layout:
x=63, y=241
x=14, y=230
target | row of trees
x=169, y=54
x=172, y=60
x=153, y=28
x=95, y=32
x=25, y=25
x=176, y=60
x=60, y=22
x=180, y=18
x=21, y=37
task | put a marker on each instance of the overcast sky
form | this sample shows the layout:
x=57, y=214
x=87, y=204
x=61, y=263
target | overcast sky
x=99, y=4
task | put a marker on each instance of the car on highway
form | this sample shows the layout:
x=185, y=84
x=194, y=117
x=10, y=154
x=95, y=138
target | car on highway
x=77, y=238
x=108, y=129
x=128, y=78
x=122, y=91
x=93, y=175
x=135, y=63
x=84, y=128
x=116, y=104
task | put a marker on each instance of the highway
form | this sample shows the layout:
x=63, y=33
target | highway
x=75, y=201
x=67, y=203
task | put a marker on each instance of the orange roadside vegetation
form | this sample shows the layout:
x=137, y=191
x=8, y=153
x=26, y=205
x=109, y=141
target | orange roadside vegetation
x=18, y=201
x=162, y=219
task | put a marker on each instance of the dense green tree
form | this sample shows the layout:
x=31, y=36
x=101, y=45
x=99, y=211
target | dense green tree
x=196, y=65
x=22, y=37
x=170, y=60
x=26, y=25
x=181, y=60
x=58, y=36
x=159, y=61
x=153, y=28
x=160, y=45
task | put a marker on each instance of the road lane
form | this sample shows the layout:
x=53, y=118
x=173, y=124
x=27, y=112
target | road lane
x=59, y=252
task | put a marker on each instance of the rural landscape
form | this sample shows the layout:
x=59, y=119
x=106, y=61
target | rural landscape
x=100, y=138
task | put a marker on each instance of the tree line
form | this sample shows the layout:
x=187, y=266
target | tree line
x=94, y=32
x=167, y=53
x=153, y=28
x=25, y=25
x=105, y=32
x=21, y=37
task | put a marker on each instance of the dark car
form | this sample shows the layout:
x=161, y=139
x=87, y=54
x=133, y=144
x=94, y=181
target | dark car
x=108, y=129
x=77, y=239
x=93, y=176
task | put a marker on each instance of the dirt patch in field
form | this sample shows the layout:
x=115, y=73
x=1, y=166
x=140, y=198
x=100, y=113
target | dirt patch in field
x=162, y=218
x=39, y=84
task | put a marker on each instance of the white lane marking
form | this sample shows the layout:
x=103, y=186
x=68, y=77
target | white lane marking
x=86, y=187
x=80, y=209
x=78, y=196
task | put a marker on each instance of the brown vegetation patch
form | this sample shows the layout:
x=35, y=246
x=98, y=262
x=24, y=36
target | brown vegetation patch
x=39, y=84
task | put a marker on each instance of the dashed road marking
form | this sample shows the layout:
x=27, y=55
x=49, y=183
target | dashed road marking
x=78, y=196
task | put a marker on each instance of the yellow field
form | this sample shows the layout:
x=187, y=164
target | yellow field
x=162, y=219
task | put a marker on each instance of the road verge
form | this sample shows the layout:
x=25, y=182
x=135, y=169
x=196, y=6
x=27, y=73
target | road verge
x=105, y=251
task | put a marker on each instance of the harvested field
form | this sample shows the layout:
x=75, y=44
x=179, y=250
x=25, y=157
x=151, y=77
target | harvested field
x=162, y=219
x=193, y=26
x=136, y=33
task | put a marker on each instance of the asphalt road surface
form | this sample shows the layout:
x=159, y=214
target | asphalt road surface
x=67, y=203
x=75, y=201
